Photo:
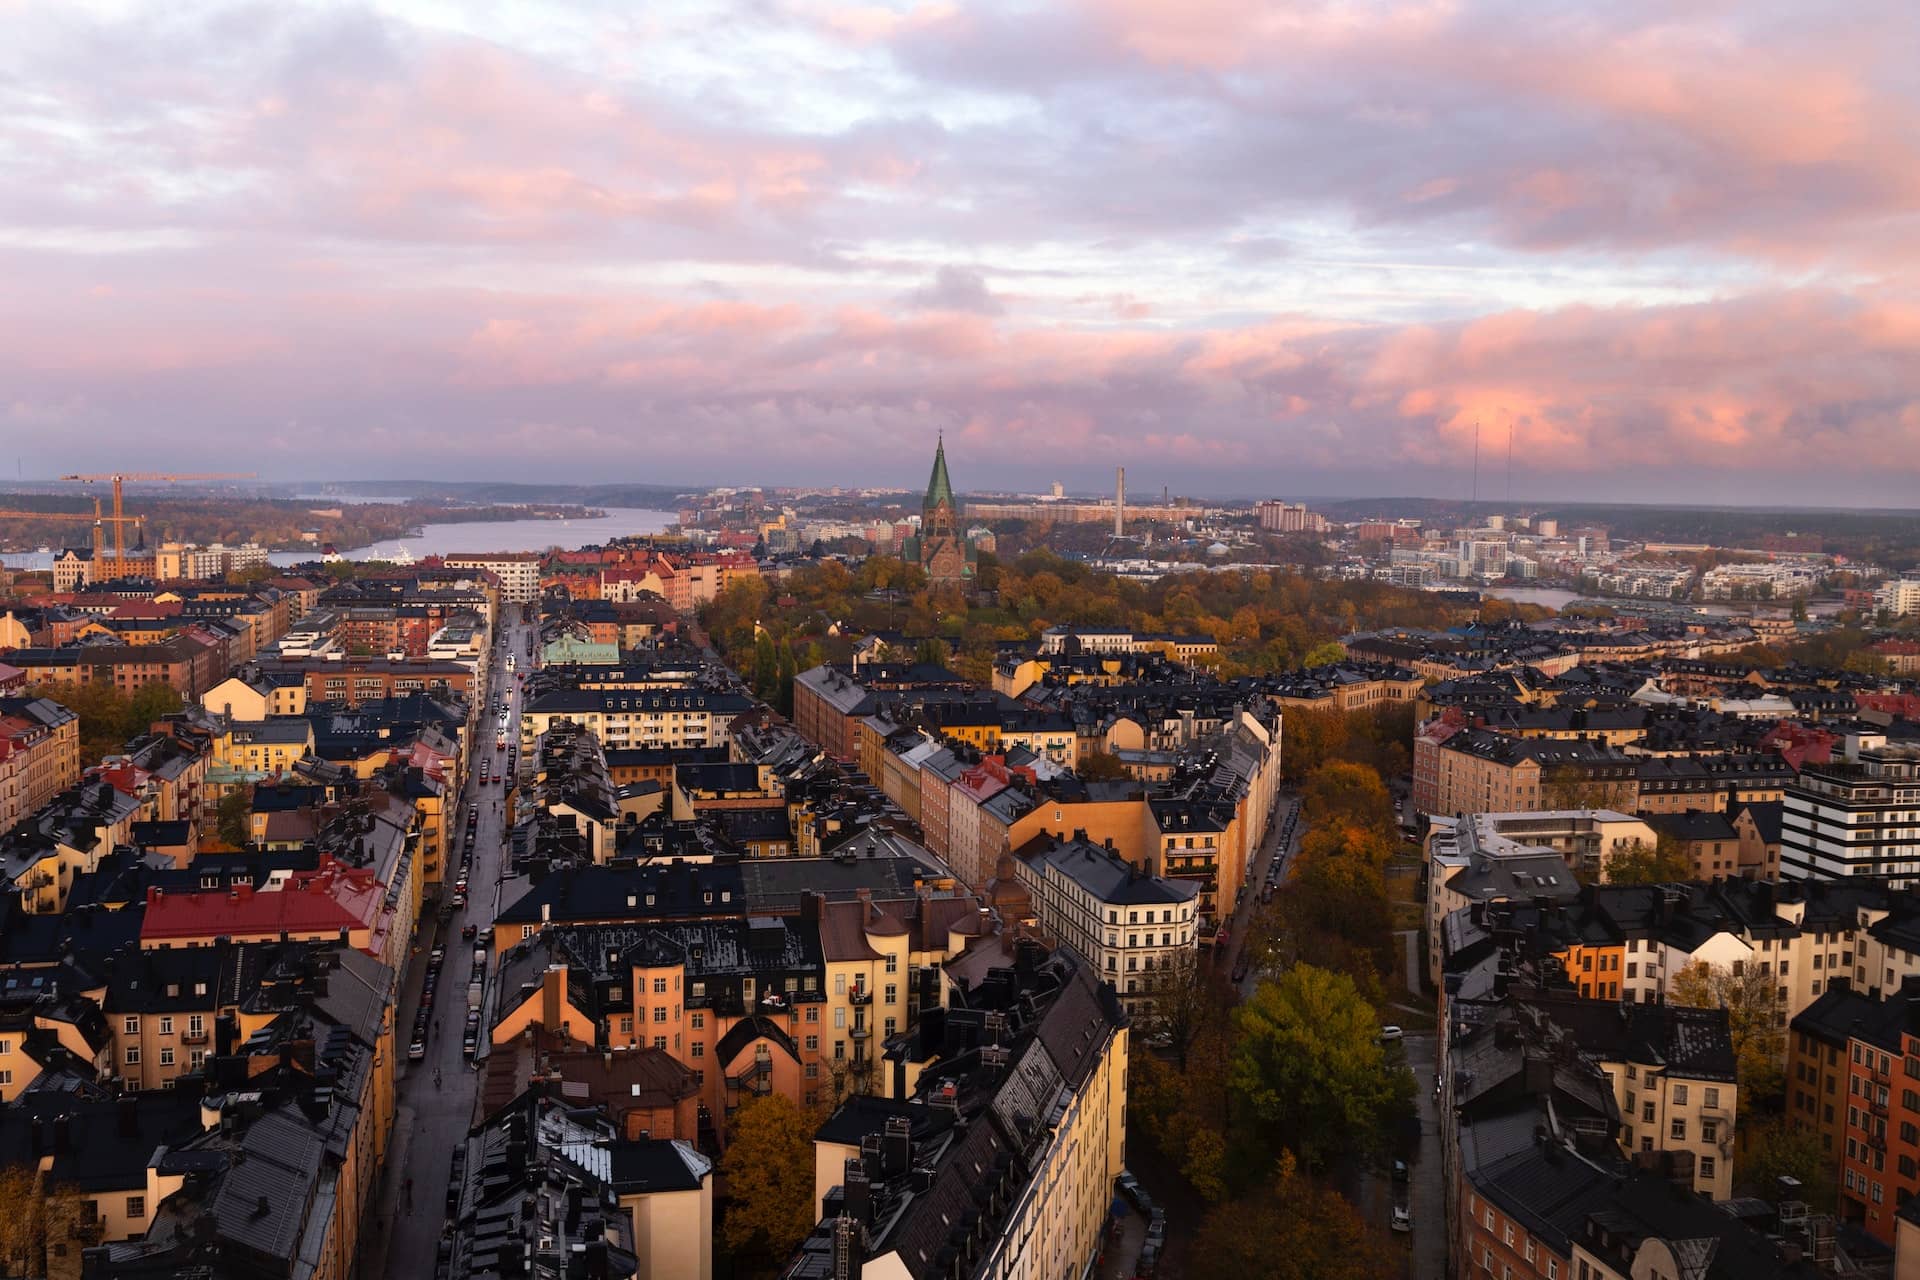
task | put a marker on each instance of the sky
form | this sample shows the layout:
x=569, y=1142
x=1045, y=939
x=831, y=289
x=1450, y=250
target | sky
x=1658, y=250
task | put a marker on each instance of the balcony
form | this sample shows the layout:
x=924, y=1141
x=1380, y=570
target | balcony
x=861, y=1031
x=860, y=995
x=193, y=1037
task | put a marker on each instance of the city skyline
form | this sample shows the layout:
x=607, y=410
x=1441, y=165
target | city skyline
x=1237, y=250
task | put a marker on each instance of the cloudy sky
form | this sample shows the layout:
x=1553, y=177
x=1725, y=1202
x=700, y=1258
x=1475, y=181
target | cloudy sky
x=1292, y=248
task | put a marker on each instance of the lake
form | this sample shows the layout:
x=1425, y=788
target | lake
x=507, y=535
x=476, y=536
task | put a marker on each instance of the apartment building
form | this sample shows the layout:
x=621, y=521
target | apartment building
x=1503, y=857
x=796, y=1004
x=525, y=1201
x=1345, y=686
x=191, y=665
x=960, y=1178
x=1859, y=816
x=292, y=1136
x=1458, y=769
x=1819, y=1092
x=624, y=718
x=1131, y=926
x=177, y=560
x=1672, y=1073
x=354, y=680
x=43, y=744
x=518, y=572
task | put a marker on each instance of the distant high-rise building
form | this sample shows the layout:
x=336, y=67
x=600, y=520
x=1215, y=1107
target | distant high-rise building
x=1290, y=517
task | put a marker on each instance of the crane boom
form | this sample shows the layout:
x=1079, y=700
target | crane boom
x=120, y=519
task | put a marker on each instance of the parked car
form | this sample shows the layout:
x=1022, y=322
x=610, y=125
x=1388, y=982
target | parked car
x=417, y=1050
x=1157, y=1229
x=1127, y=1186
x=1400, y=1173
x=1402, y=1219
x=1391, y=1033
x=1149, y=1264
x=467, y=932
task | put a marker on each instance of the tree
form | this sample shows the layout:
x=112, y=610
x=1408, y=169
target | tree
x=1292, y=1229
x=1773, y=1149
x=1100, y=766
x=149, y=703
x=1664, y=861
x=1186, y=1001
x=1754, y=1020
x=1343, y=792
x=1324, y=655
x=769, y=1172
x=23, y=1222
x=1310, y=1069
x=235, y=822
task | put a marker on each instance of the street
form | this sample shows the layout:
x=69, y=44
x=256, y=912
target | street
x=436, y=1094
x=1427, y=1251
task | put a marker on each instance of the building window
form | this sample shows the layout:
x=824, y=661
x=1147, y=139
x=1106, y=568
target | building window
x=699, y=1049
x=133, y=1055
x=659, y=986
x=892, y=993
x=1679, y=1095
x=659, y=1013
x=893, y=964
x=1678, y=1133
x=166, y=1055
x=1706, y=1168
x=130, y=1025
x=699, y=1021
x=166, y=1026
x=839, y=1017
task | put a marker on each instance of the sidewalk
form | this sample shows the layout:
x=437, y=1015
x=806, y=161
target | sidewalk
x=387, y=1206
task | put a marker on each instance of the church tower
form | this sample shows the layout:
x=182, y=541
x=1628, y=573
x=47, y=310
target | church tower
x=943, y=552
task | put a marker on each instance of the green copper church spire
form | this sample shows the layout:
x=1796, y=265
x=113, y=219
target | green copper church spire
x=939, y=488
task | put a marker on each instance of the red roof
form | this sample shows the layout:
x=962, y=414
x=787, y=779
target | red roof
x=332, y=898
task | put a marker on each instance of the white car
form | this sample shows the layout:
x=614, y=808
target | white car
x=1402, y=1219
x=1390, y=1033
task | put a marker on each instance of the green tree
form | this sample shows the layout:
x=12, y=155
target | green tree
x=1100, y=766
x=768, y=1167
x=1754, y=1020
x=1325, y=655
x=1294, y=1228
x=1310, y=1069
x=1773, y=1149
x=234, y=825
x=148, y=704
x=1664, y=861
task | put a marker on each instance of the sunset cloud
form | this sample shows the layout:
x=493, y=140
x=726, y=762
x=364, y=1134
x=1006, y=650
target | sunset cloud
x=1245, y=247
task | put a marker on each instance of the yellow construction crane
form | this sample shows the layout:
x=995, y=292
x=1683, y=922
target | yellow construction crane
x=120, y=520
x=96, y=519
